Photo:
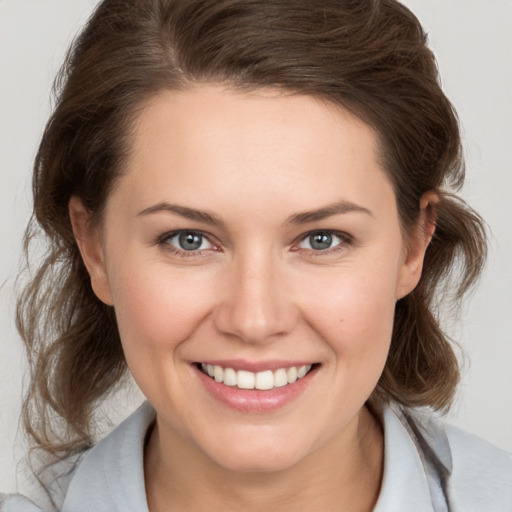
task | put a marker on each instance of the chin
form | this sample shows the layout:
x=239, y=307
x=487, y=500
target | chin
x=258, y=463
x=268, y=455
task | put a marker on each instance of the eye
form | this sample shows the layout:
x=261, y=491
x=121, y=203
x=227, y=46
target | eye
x=321, y=241
x=188, y=241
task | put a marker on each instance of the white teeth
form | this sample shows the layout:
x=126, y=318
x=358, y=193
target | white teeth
x=280, y=378
x=245, y=379
x=218, y=373
x=302, y=371
x=292, y=374
x=230, y=377
x=265, y=380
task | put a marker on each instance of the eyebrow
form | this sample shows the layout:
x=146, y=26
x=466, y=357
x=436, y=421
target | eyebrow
x=338, y=208
x=341, y=207
x=183, y=211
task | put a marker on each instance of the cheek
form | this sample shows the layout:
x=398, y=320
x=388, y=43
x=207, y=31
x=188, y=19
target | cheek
x=157, y=308
x=354, y=311
x=157, y=311
x=357, y=324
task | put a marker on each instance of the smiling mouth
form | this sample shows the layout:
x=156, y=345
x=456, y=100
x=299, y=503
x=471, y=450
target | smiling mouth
x=263, y=381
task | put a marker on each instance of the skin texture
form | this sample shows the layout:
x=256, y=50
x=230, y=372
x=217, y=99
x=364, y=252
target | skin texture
x=256, y=291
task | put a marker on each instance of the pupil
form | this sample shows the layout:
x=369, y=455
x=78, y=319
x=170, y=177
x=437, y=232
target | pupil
x=190, y=241
x=321, y=241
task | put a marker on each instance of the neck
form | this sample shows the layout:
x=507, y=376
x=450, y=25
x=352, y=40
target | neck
x=340, y=475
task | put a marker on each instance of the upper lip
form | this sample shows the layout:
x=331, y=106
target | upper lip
x=255, y=366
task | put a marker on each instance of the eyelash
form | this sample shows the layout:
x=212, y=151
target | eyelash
x=163, y=242
x=345, y=240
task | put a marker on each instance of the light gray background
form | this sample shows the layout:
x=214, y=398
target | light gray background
x=473, y=43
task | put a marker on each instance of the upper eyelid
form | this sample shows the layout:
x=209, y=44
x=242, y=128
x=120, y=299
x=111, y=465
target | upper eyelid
x=171, y=234
x=163, y=239
x=340, y=234
x=344, y=236
x=347, y=240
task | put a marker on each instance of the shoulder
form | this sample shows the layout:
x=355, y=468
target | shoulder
x=474, y=474
x=47, y=490
x=481, y=475
x=107, y=477
x=111, y=475
x=17, y=503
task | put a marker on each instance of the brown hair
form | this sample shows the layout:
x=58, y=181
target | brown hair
x=369, y=56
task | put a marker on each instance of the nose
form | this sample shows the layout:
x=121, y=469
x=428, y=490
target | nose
x=255, y=304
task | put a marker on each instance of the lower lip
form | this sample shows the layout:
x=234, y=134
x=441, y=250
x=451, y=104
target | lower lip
x=254, y=400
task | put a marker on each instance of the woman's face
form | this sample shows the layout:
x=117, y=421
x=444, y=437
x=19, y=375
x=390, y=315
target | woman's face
x=256, y=233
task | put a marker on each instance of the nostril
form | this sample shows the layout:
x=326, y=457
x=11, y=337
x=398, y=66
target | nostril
x=255, y=321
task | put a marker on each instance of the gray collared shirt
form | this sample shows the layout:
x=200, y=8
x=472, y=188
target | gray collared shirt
x=427, y=468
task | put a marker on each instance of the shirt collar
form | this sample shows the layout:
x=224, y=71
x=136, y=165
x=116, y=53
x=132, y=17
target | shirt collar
x=410, y=480
x=110, y=478
x=111, y=475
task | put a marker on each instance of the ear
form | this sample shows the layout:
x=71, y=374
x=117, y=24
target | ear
x=88, y=239
x=417, y=244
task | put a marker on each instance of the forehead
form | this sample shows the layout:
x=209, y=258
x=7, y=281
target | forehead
x=264, y=145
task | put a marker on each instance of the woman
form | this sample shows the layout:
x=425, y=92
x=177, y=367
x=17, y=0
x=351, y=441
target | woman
x=248, y=206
